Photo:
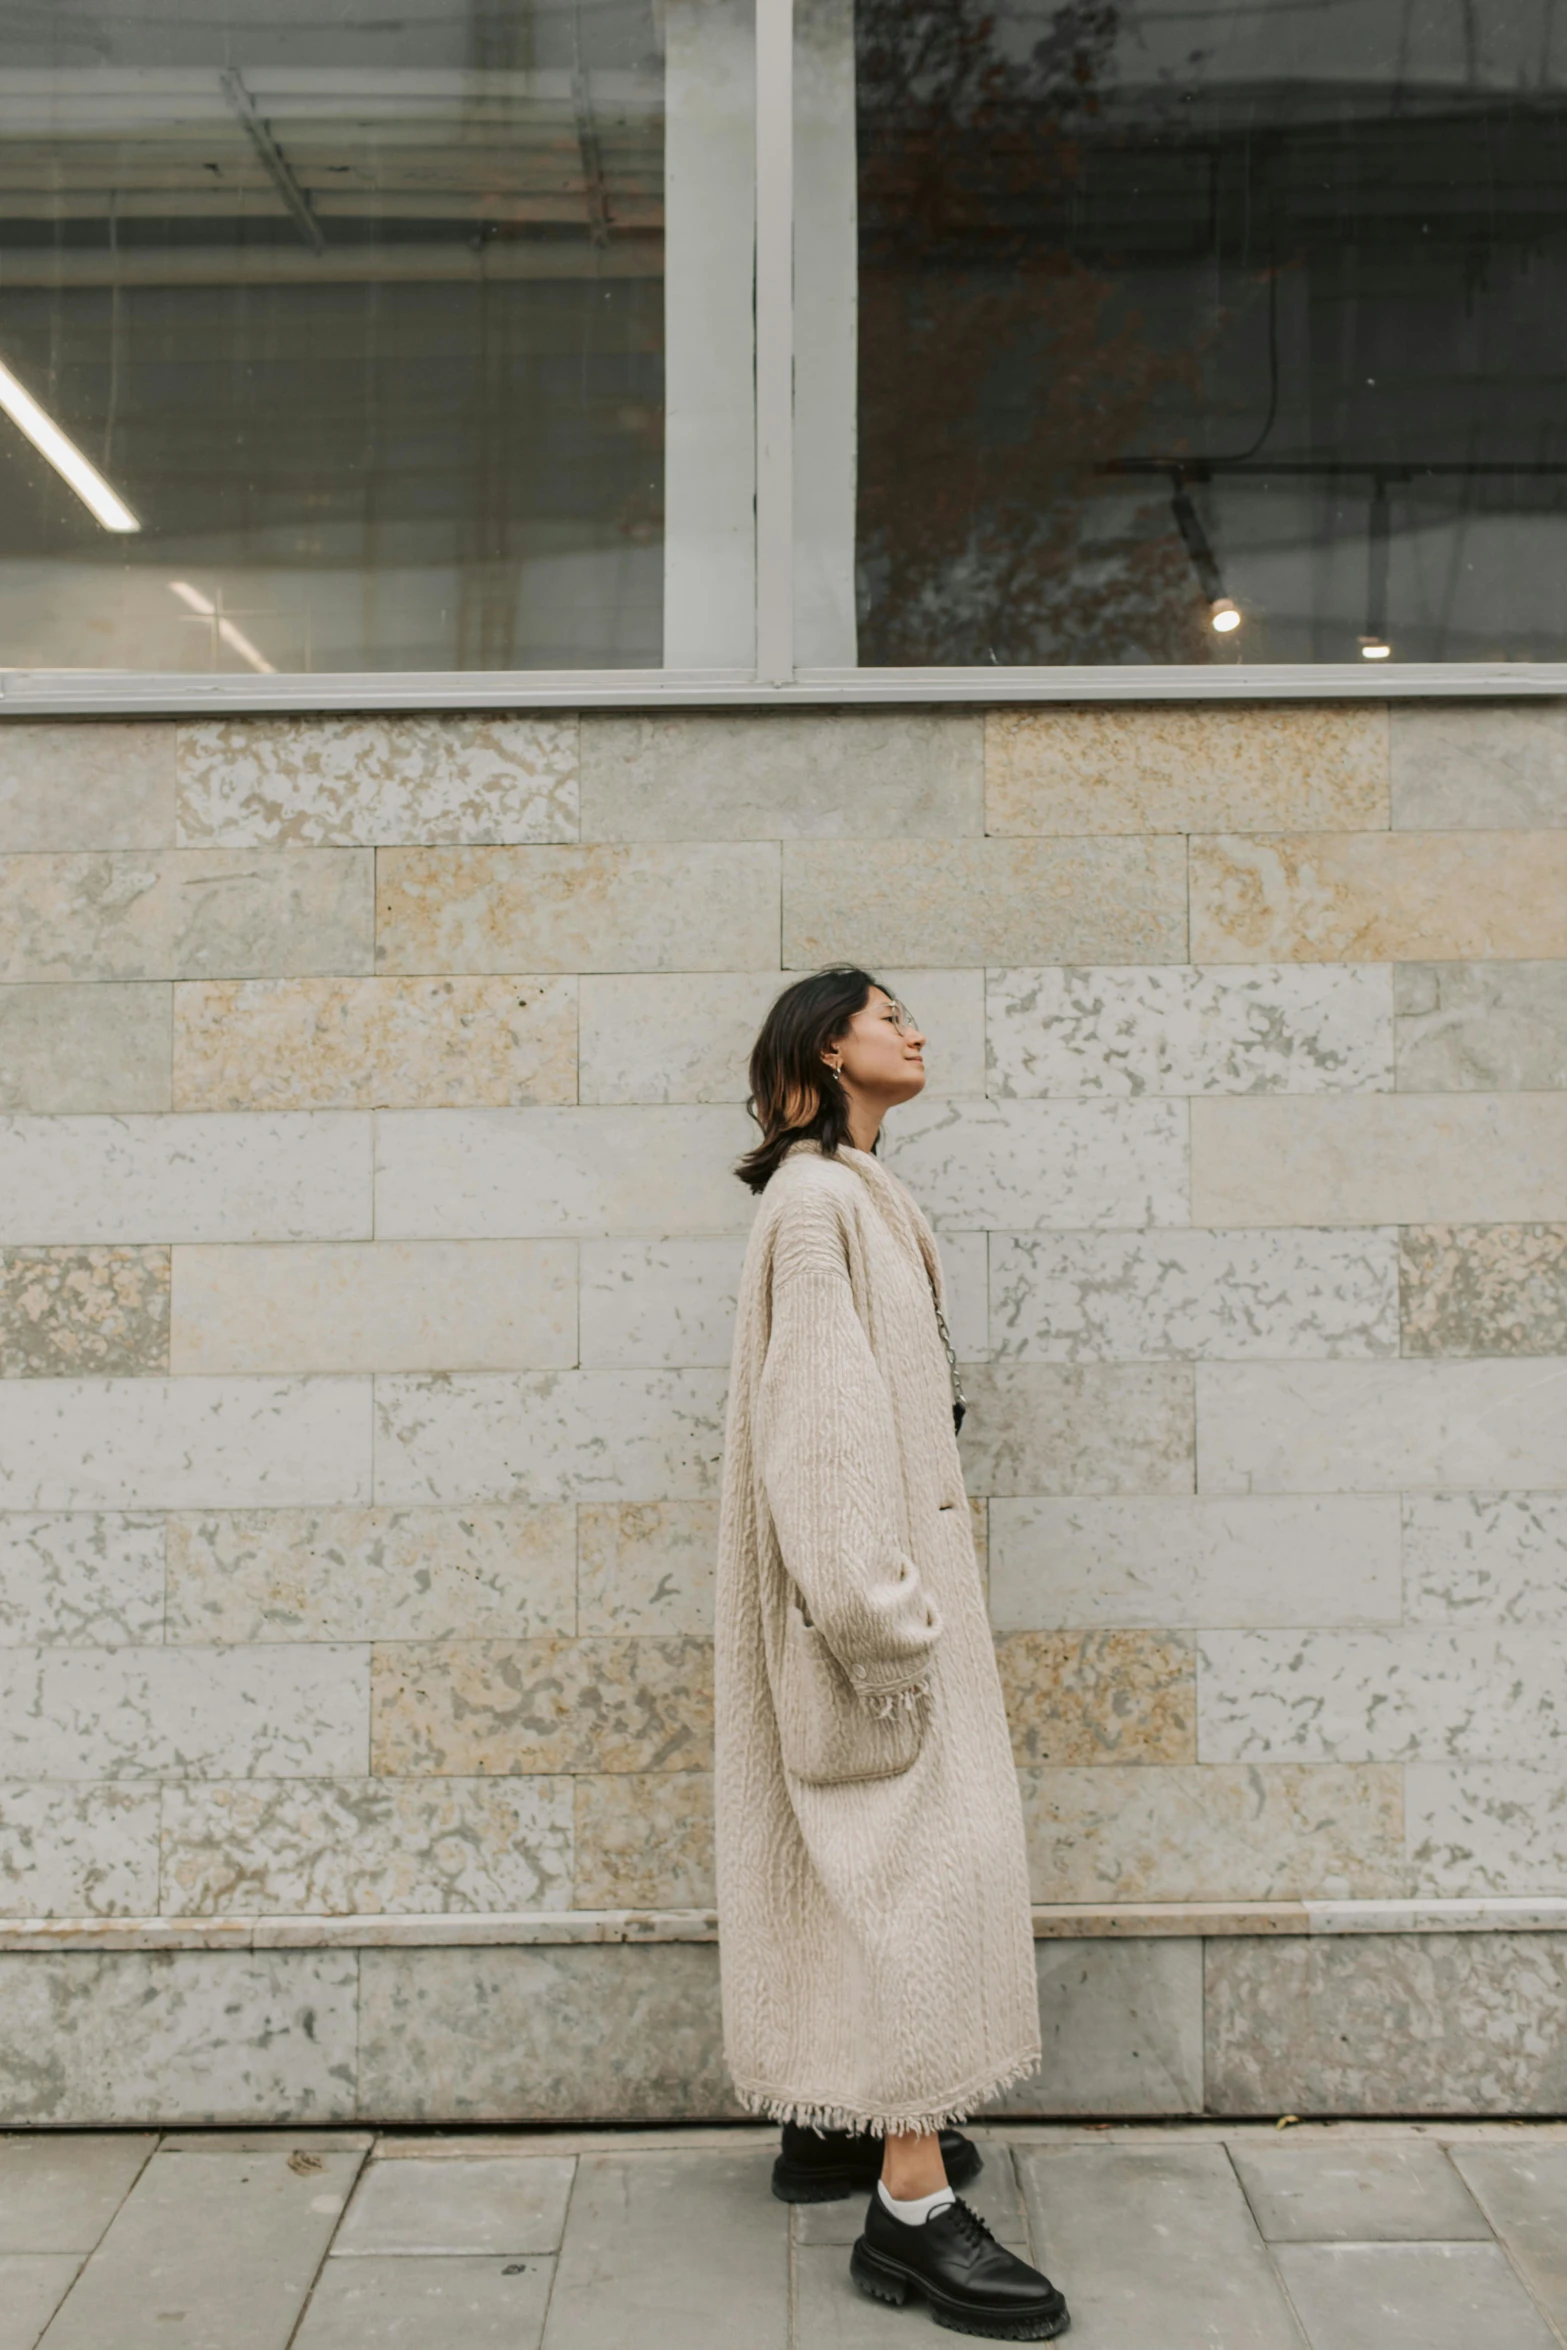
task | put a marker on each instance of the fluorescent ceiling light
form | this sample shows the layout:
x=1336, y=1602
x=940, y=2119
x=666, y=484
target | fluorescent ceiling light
x=63, y=455
x=232, y=636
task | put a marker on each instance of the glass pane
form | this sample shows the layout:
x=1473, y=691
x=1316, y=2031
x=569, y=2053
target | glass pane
x=353, y=322
x=1204, y=332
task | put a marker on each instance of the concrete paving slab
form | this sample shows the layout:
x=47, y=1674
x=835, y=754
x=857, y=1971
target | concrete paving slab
x=667, y=2249
x=32, y=2287
x=1357, y=2194
x=210, y=2251
x=1523, y=2193
x=1410, y=2297
x=1154, y=2248
x=59, y=2194
x=487, y=2206
x=831, y=2313
x=995, y=2195
x=438, y=2302
x=267, y=2141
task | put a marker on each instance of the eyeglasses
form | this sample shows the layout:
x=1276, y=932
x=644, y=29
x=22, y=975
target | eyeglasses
x=902, y=1018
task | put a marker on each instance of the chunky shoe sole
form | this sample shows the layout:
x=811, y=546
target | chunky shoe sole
x=798, y=2183
x=883, y=2280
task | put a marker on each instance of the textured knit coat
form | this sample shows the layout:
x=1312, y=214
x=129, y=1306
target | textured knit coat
x=874, y=1929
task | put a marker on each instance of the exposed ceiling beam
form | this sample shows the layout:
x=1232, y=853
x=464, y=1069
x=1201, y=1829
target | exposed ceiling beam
x=272, y=160
x=263, y=265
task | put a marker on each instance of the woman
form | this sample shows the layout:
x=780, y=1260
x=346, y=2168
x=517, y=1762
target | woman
x=877, y=1955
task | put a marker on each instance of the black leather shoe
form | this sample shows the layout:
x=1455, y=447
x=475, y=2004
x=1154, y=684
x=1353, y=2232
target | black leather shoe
x=822, y=2166
x=972, y=2283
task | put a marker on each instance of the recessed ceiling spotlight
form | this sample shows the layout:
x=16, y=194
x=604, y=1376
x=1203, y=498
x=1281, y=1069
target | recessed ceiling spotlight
x=1225, y=615
x=1375, y=648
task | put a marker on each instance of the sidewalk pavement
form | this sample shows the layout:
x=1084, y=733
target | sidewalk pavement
x=1339, y=2236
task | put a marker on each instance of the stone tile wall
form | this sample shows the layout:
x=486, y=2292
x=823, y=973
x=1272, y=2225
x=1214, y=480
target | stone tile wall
x=368, y=1094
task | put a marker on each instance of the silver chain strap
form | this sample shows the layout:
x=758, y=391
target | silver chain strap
x=958, y=1395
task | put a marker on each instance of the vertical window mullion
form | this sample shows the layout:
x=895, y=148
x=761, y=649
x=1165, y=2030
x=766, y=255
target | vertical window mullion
x=775, y=341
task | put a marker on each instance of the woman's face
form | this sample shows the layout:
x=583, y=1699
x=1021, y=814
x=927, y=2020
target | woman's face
x=882, y=1051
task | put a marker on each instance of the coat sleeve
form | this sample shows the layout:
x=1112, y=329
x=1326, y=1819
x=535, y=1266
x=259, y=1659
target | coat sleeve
x=827, y=1453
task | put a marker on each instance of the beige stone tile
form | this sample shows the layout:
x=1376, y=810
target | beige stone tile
x=65, y=1311
x=706, y=906
x=659, y=1301
x=1483, y=1289
x=1380, y=1159
x=1380, y=1427
x=1187, y=767
x=78, y=1852
x=1215, y=1832
x=87, y=1578
x=1488, y=764
x=150, y=1443
x=363, y=1044
x=671, y=1036
x=645, y=1840
x=343, y=1847
x=646, y=1566
x=1371, y=897
x=771, y=775
x=1119, y=1696
x=1480, y=1027
x=973, y=902
x=449, y=777
x=98, y=785
x=1099, y=1428
x=585, y=1435
x=279, y=1175
x=97, y=1046
x=376, y=1305
x=371, y=1574
x=185, y=914
x=473, y=1708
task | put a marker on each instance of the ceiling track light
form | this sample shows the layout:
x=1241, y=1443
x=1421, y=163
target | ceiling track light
x=1374, y=645
x=60, y=451
x=1223, y=613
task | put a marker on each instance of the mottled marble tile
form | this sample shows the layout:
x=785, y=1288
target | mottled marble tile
x=659, y=1302
x=1088, y=1297
x=550, y=1436
x=711, y=906
x=94, y=1310
x=518, y=2035
x=371, y=1574
x=1186, y=767
x=646, y=1566
x=1496, y=765
x=1104, y=1428
x=1029, y=1164
x=1303, y=1028
x=1480, y=1027
x=116, y=1444
x=1117, y=1696
x=645, y=1840
x=1487, y=1829
x=784, y=774
x=1381, y=1159
x=1387, y=2023
x=340, y=1848
x=71, y=1049
x=506, y=1174
x=280, y=1176
x=1415, y=1693
x=1215, y=1832
x=376, y=1305
x=177, y=1713
x=1377, y=1427
x=965, y=1265
x=1368, y=897
x=84, y=1579
x=169, y=2036
x=101, y=784
x=1485, y=1558
x=185, y=914
x=430, y=777
x=1483, y=1289
x=1177, y=1559
x=1121, y=2024
x=974, y=902
x=366, y=1044
x=474, y=1708
x=78, y=1851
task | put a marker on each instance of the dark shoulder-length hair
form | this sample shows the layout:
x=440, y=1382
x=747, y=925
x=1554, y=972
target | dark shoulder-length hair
x=794, y=1096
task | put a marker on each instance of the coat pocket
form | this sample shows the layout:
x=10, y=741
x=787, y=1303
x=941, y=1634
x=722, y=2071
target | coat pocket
x=828, y=1733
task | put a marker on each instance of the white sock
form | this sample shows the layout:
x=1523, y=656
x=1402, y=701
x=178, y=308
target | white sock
x=919, y=2208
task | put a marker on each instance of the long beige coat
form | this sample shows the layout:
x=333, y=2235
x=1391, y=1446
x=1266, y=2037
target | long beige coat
x=873, y=1903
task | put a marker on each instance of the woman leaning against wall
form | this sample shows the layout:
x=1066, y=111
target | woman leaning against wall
x=874, y=1929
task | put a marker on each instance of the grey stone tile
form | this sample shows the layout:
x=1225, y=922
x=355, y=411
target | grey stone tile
x=449, y=2205
x=86, y=785
x=1044, y=1428
x=1410, y=2297
x=1029, y=1166
x=1523, y=2193
x=1154, y=2249
x=1483, y=1289
x=186, y=914
x=546, y=1436
x=295, y=1712
x=427, y=2304
x=32, y=2286
x=1457, y=765
x=1357, y=2193
x=153, y=1443
x=78, y=1851
x=664, y=2248
x=58, y=2194
x=995, y=2195
x=1485, y=1557
x=88, y=1577
x=68, y=1311
x=224, y=2250
x=1379, y=1158
x=1378, y=1427
x=1480, y=1027
x=657, y=1302
x=1486, y=1828
x=90, y=1047
x=646, y=1566
x=1121, y=2027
